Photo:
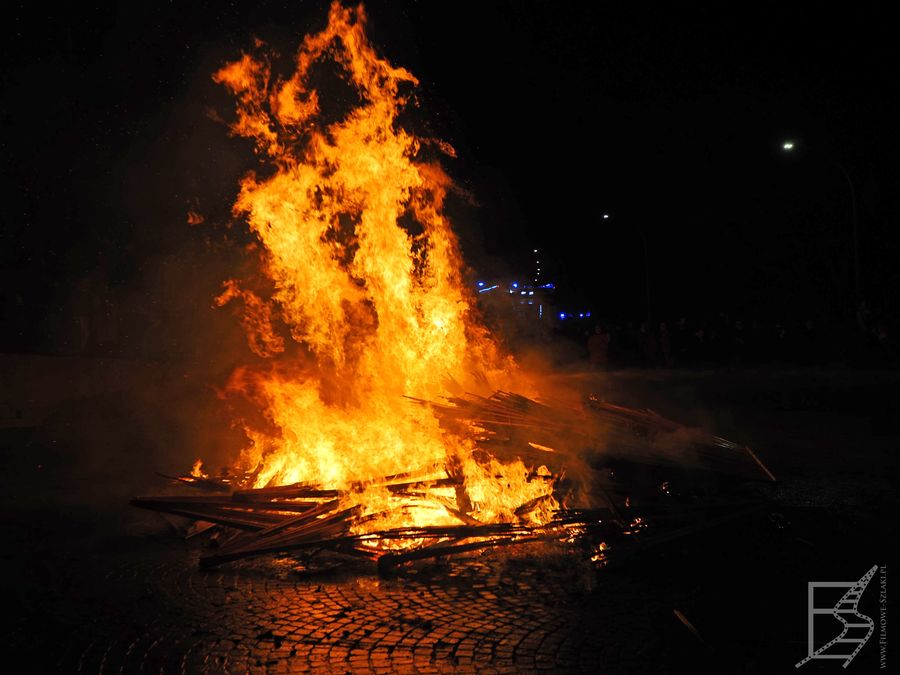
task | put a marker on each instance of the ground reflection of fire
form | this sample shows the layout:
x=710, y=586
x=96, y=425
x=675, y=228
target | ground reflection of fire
x=380, y=435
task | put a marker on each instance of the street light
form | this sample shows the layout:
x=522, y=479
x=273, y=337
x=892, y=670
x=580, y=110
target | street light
x=788, y=146
x=605, y=216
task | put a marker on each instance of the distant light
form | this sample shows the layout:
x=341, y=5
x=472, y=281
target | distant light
x=515, y=284
x=521, y=292
x=581, y=315
x=480, y=284
x=489, y=288
x=535, y=250
x=788, y=145
x=605, y=216
x=530, y=292
x=540, y=311
x=587, y=314
x=562, y=315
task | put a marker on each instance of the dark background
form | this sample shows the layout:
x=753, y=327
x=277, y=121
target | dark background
x=670, y=120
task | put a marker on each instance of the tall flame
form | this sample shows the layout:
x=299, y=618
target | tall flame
x=366, y=301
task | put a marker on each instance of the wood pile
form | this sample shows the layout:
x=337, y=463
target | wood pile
x=282, y=519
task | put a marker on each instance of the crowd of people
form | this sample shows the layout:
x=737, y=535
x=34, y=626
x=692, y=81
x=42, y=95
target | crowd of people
x=722, y=340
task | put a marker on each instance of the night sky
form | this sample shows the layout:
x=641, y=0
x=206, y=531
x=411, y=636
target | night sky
x=670, y=120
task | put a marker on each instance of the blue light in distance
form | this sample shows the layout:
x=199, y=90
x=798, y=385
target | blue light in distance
x=489, y=288
x=515, y=284
x=562, y=315
x=480, y=284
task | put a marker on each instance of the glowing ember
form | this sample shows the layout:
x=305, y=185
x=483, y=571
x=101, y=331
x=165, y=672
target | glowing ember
x=364, y=301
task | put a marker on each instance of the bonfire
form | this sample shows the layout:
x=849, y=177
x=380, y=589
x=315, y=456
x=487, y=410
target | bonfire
x=388, y=428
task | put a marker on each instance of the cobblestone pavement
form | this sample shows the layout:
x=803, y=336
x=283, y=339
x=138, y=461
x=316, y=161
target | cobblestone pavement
x=90, y=585
x=88, y=601
x=144, y=606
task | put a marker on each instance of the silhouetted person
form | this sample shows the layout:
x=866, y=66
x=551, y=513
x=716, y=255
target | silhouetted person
x=681, y=340
x=665, y=344
x=886, y=352
x=738, y=342
x=630, y=345
x=780, y=343
x=863, y=316
x=809, y=344
x=615, y=344
x=755, y=342
x=697, y=351
x=720, y=340
x=647, y=343
x=598, y=348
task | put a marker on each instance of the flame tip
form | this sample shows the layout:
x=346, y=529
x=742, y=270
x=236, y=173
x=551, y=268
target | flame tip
x=361, y=305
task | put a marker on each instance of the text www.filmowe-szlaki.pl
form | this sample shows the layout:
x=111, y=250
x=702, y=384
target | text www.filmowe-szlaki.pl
x=882, y=616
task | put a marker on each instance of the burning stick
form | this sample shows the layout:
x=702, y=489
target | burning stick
x=331, y=529
x=308, y=515
x=389, y=561
x=241, y=519
x=206, y=484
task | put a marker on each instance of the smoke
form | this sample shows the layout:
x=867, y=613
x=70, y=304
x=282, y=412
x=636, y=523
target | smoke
x=140, y=353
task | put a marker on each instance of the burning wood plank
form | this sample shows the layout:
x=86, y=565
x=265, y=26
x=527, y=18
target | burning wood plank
x=286, y=518
x=330, y=529
x=613, y=431
x=389, y=561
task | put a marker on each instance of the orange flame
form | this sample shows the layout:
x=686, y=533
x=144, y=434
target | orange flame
x=365, y=277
